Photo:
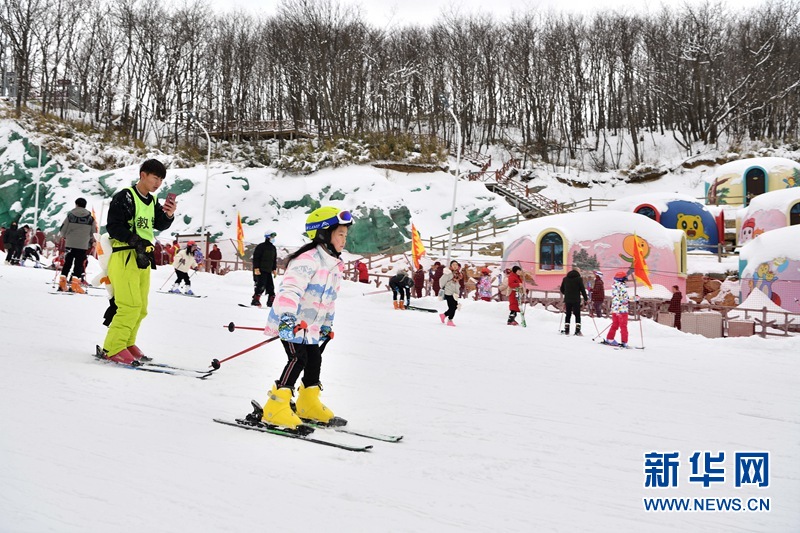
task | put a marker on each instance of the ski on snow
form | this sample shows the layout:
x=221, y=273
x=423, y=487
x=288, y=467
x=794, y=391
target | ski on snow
x=302, y=435
x=335, y=424
x=619, y=347
x=156, y=368
x=415, y=308
x=183, y=294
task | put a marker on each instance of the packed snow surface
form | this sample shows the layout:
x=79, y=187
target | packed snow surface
x=505, y=428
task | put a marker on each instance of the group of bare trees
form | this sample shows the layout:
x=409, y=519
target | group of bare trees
x=551, y=82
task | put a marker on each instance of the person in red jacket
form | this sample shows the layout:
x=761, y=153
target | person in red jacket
x=419, y=282
x=363, y=273
x=214, y=257
x=515, y=288
x=598, y=294
x=675, y=305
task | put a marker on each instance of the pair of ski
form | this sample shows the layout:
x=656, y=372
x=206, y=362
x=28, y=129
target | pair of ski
x=155, y=368
x=618, y=346
x=253, y=422
x=183, y=294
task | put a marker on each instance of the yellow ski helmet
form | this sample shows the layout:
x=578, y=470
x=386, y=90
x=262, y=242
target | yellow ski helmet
x=325, y=218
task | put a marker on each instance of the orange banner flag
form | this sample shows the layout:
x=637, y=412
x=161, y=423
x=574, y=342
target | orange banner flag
x=417, y=249
x=239, y=234
x=639, y=266
x=96, y=223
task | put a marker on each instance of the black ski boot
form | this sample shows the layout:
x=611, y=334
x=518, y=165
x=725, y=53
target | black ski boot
x=566, y=329
x=578, y=330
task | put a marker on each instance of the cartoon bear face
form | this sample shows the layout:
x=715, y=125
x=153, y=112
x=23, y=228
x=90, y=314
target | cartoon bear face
x=692, y=225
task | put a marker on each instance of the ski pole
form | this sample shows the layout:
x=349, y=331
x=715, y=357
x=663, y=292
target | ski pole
x=168, y=278
x=600, y=333
x=233, y=326
x=591, y=315
x=216, y=363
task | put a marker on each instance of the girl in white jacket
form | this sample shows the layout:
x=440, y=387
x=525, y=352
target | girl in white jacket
x=184, y=262
x=302, y=316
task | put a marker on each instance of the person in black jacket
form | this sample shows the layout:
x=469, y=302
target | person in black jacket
x=10, y=241
x=401, y=285
x=265, y=267
x=572, y=288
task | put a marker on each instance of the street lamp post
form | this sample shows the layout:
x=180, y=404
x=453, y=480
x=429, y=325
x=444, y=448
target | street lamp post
x=36, y=201
x=455, y=184
x=205, y=190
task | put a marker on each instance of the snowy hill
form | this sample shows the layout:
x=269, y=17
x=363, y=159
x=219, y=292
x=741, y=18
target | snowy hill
x=505, y=429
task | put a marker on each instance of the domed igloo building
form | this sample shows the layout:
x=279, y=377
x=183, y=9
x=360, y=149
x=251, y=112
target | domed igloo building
x=549, y=247
x=771, y=263
x=738, y=182
x=769, y=211
x=704, y=225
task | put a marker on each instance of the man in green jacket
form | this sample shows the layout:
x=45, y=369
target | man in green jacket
x=133, y=216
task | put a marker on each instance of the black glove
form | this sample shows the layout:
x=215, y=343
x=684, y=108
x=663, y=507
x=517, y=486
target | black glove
x=142, y=248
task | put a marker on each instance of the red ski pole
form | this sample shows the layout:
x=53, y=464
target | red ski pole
x=216, y=363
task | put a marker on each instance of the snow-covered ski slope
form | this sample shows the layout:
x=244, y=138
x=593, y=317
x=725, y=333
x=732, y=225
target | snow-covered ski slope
x=505, y=429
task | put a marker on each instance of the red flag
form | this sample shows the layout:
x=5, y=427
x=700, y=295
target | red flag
x=417, y=249
x=639, y=266
x=239, y=234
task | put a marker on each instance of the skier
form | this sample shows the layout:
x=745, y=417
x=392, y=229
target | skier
x=265, y=268
x=184, y=262
x=302, y=316
x=450, y=289
x=401, y=285
x=514, y=289
x=77, y=231
x=32, y=251
x=619, y=311
x=572, y=288
x=133, y=216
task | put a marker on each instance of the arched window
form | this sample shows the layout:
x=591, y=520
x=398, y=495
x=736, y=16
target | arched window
x=647, y=211
x=551, y=252
x=794, y=215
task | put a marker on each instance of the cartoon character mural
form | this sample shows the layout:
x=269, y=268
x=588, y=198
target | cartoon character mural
x=766, y=274
x=702, y=229
x=793, y=180
x=749, y=231
x=627, y=247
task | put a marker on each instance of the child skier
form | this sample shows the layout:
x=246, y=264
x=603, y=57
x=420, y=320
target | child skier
x=619, y=311
x=451, y=287
x=514, y=282
x=302, y=316
x=183, y=263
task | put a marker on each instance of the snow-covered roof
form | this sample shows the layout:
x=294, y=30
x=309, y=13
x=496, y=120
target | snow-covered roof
x=781, y=199
x=659, y=200
x=741, y=166
x=595, y=225
x=781, y=242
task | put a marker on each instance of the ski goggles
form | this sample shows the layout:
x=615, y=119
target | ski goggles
x=343, y=217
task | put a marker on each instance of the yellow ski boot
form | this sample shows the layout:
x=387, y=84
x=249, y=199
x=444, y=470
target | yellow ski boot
x=278, y=410
x=309, y=407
